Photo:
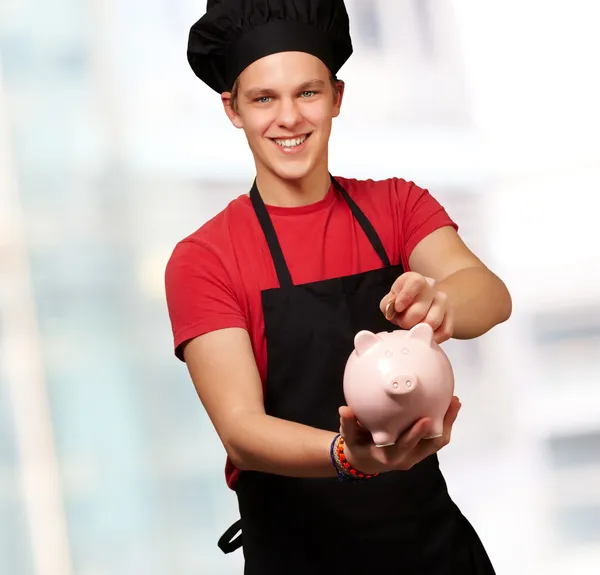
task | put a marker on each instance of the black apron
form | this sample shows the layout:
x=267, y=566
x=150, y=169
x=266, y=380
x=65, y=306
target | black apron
x=405, y=521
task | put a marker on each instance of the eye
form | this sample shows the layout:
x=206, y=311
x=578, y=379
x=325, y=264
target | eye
x=307, y=93
x=263, y=100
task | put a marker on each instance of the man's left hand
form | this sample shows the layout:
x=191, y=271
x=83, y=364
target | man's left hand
x=417, y=299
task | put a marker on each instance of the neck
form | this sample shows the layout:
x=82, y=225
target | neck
x=276, y=191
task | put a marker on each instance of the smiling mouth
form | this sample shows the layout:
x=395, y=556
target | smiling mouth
x=291, y=143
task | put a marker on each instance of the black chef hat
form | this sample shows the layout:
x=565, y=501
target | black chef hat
x=234, y=33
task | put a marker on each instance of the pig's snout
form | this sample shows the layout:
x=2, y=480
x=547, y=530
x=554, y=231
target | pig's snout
x=401, y=384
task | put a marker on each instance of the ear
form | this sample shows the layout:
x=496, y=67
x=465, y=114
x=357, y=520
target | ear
x=233, y=116
x=422, y=332
x=364, y=341
x=338, y=97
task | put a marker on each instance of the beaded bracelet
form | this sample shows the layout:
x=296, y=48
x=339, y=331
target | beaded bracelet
x=345, y=471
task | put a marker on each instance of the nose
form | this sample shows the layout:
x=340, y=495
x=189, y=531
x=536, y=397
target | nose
x=402, y=383
x=288, y=113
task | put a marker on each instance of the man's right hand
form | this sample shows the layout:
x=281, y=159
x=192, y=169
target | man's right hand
x=410, y=448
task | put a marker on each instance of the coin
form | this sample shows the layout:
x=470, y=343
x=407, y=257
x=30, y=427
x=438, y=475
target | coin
x=390, y=311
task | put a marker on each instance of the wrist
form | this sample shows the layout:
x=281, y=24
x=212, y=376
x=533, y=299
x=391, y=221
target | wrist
x=345, y=469
x=366, y=465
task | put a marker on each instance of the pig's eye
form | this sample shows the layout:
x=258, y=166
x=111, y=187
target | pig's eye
x=389, y=353
x=405, y=351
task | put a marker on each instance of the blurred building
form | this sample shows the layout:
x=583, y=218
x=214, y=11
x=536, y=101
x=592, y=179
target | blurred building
x=111, y=151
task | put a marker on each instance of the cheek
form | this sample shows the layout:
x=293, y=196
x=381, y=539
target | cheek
x=258, y=125
x=319, y=117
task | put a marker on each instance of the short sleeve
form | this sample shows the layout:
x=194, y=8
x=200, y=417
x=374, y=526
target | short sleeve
x=200, y=294
x=421, y=214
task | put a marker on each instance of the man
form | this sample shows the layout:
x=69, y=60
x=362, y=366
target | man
x=266, y=297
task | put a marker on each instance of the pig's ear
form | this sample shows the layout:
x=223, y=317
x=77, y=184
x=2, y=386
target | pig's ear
x=422, y=332
x=364, y=341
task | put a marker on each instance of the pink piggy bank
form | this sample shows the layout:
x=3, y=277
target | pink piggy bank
x=392, y=379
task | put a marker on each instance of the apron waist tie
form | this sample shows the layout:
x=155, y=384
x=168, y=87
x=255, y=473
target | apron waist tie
x=227, y=543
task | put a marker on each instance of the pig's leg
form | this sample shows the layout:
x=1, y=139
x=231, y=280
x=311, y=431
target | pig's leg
x=384, y=438
x=437, y=430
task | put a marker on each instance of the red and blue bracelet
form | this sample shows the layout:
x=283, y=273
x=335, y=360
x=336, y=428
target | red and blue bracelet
x=345, y=472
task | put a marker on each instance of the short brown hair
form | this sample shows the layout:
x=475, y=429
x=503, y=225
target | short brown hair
x=236, y=89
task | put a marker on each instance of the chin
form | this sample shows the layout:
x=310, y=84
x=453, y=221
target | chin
x=292, y=174
x=292, y=171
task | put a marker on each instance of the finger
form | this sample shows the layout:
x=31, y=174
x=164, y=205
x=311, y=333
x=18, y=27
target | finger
x=349, y=428
x=406, y=278
x=400, y=455
x=448, y=430
x=449, y=420
x=417, y=311
x=452, y=413
x=437, y=311
x=446, y=329
x=407, y=287
x=346, y=415
x=429, y=447
x=410, y=438
x=407, y=284
x=346, y=412
x=400, y=284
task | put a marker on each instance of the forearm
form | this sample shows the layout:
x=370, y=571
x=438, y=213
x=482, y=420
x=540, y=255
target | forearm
x=271, y=445
x=479, y=300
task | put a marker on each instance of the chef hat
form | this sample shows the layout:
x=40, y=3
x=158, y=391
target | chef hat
x=233, y=34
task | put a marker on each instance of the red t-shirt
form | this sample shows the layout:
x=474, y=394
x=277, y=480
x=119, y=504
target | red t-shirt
x=215, y=276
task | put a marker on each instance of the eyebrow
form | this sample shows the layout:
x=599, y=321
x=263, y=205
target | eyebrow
x=254, y=93
x=311, y=84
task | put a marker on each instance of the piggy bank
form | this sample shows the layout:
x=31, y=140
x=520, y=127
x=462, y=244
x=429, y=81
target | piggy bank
x=392, y=379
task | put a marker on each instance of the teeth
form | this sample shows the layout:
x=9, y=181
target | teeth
x=291, y=143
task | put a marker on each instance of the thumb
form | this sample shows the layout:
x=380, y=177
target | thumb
x=349, y=426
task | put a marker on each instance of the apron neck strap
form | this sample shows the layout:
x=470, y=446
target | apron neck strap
x=283, y=272
x=364, y=223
